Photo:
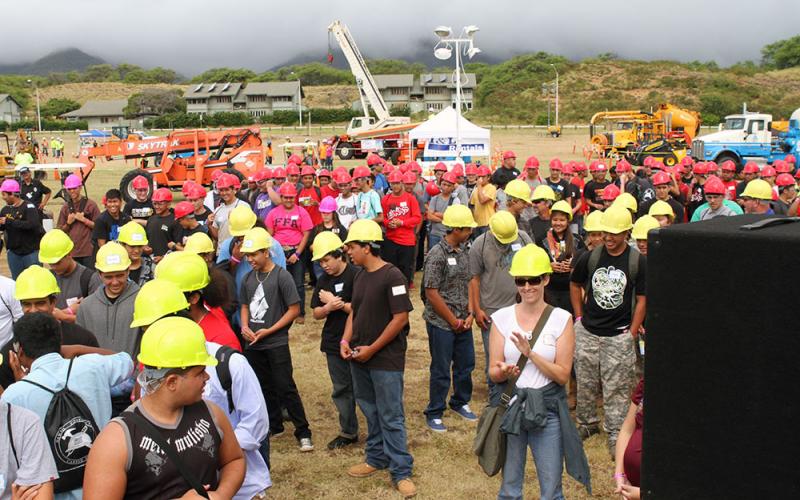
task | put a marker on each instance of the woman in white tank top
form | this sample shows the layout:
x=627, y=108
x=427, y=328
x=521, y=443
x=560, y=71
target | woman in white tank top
x=545, y=373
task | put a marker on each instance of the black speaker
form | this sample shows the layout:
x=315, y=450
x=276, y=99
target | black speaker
x=722, y=370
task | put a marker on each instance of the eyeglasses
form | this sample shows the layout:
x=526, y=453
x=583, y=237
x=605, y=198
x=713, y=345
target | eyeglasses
x=531, y=280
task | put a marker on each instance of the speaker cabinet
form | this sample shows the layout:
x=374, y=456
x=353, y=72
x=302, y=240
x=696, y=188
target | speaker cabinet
x=722, y=369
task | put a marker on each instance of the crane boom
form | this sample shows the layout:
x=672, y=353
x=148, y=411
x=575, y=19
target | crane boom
x=368, y=90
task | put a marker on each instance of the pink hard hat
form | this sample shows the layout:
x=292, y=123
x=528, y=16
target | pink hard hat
x=327, y=205
x=73, y=181
x=9, y=186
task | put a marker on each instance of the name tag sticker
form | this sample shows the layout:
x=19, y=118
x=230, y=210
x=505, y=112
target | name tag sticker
x=451, y=261
x=338, y=287
x=295, y=217
x=137, y=237
x=516, y=247
x=113, y=260
x=403, y=204
x=398, y=290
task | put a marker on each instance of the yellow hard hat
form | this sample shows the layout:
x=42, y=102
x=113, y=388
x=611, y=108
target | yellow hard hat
x=758, y=189
x=112, y=257
x=519, y=189
x=616, y=220
x=325, y=243
x=35, y=282
x=256, y=239
x=241, y=219
x=543, y=192
x=530, y=260
x=643, y=225
x=563, y=207
x=456, y=216
x=156, y=299
x=175, y=342
x=663, y=208
x=592, y=223
x=198, y=243
x=626, y=200
x=503, y=226
x=54, y=246
x=132, y=234
x=364, y=230
x=187, y=270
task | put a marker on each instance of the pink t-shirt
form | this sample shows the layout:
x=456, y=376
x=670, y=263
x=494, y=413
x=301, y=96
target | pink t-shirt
x=287, y=226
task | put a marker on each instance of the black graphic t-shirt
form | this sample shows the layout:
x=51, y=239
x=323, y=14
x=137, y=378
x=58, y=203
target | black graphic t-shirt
x=136, y=209
x=560, y=188
x=268, y=297
x=609, y=291
x=341, y=286
x=195, y=437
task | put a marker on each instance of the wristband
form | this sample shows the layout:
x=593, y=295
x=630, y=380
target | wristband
x=578, y=318
x=344, y=342
x=297, y=255
x=234, y=259
x=620, y=475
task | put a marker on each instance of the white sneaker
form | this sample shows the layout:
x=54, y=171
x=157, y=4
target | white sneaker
x=306, y=445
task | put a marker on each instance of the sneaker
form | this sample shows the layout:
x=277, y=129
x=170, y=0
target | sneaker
x=466, y=413
x=361, y=470
x=406, y=488
x=587, y=431
x=306, y=445
x=436, y=425
x=274, y=434
x=341, y=442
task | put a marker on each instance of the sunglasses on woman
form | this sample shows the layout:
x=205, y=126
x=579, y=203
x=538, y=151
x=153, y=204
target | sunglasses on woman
x=532, y=281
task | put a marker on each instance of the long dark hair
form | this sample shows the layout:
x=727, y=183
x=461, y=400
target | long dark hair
x=569, y=239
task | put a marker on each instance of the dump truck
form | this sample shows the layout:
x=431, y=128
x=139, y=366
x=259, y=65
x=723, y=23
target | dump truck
x=182, y=155
x=664, y=133
x=749, y=137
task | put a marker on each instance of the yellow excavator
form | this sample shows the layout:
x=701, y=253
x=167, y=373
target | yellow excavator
x=664, y=133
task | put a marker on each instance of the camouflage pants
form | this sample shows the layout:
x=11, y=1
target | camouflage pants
x=603, y=364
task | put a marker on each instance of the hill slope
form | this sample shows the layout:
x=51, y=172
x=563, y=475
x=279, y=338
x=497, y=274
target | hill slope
x=61, y=61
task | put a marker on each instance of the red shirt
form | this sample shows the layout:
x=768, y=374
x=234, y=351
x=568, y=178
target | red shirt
x=329, y=191
x=217, y=329
x=730, y=189
x=577, y=181
x=406, y=209
x=305, y=199
x=633, y=453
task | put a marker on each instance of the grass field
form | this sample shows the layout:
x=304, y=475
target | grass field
x=444, y=466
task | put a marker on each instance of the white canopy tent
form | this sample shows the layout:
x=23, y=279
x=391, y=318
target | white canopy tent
x=448, y=134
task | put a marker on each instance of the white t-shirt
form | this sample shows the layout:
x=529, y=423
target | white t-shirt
x=10, y=309
x=346, y=208
x=505, y=320
x=221, y=218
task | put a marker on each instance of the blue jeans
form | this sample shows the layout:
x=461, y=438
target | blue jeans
x=494, y=389
x=20, y=262
x=548, y=455
x=449, y=349
x=297, y=272
x=318, y=271
x=379, y=394
x=433, y=241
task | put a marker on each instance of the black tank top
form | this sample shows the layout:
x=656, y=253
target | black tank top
x=197, y=441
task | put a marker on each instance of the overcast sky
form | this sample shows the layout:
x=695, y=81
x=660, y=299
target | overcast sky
x=193, y=35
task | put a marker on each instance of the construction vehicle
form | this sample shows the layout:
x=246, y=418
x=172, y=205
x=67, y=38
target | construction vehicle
x=182, y=155
x=665, y=133
x=749, y=137
x=383, y=133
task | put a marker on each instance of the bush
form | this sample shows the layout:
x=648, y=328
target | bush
x=57, y=107
x=318, y=116
x=46, y=125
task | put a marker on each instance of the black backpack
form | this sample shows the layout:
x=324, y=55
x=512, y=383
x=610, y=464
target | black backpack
x=71, y=429
x=223, y=368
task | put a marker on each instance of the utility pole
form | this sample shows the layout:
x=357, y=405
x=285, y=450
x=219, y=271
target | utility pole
x=38, y=109
x=556, y=70
x=300, y=102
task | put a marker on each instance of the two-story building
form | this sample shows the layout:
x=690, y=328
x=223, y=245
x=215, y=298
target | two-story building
x=256, y=98
x=425, y=92
x=10, y=109
x=102, y=114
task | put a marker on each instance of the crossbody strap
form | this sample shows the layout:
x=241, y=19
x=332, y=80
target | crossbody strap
x=523, y=360
x=11, y=434
x=172, y=454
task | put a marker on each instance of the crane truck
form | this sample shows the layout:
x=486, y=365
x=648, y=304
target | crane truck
x=383, y=133
x=749, y=137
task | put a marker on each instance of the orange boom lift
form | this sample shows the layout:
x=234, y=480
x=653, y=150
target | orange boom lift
x=183, y=155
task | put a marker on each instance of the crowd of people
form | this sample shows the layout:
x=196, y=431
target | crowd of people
x=145, y=347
